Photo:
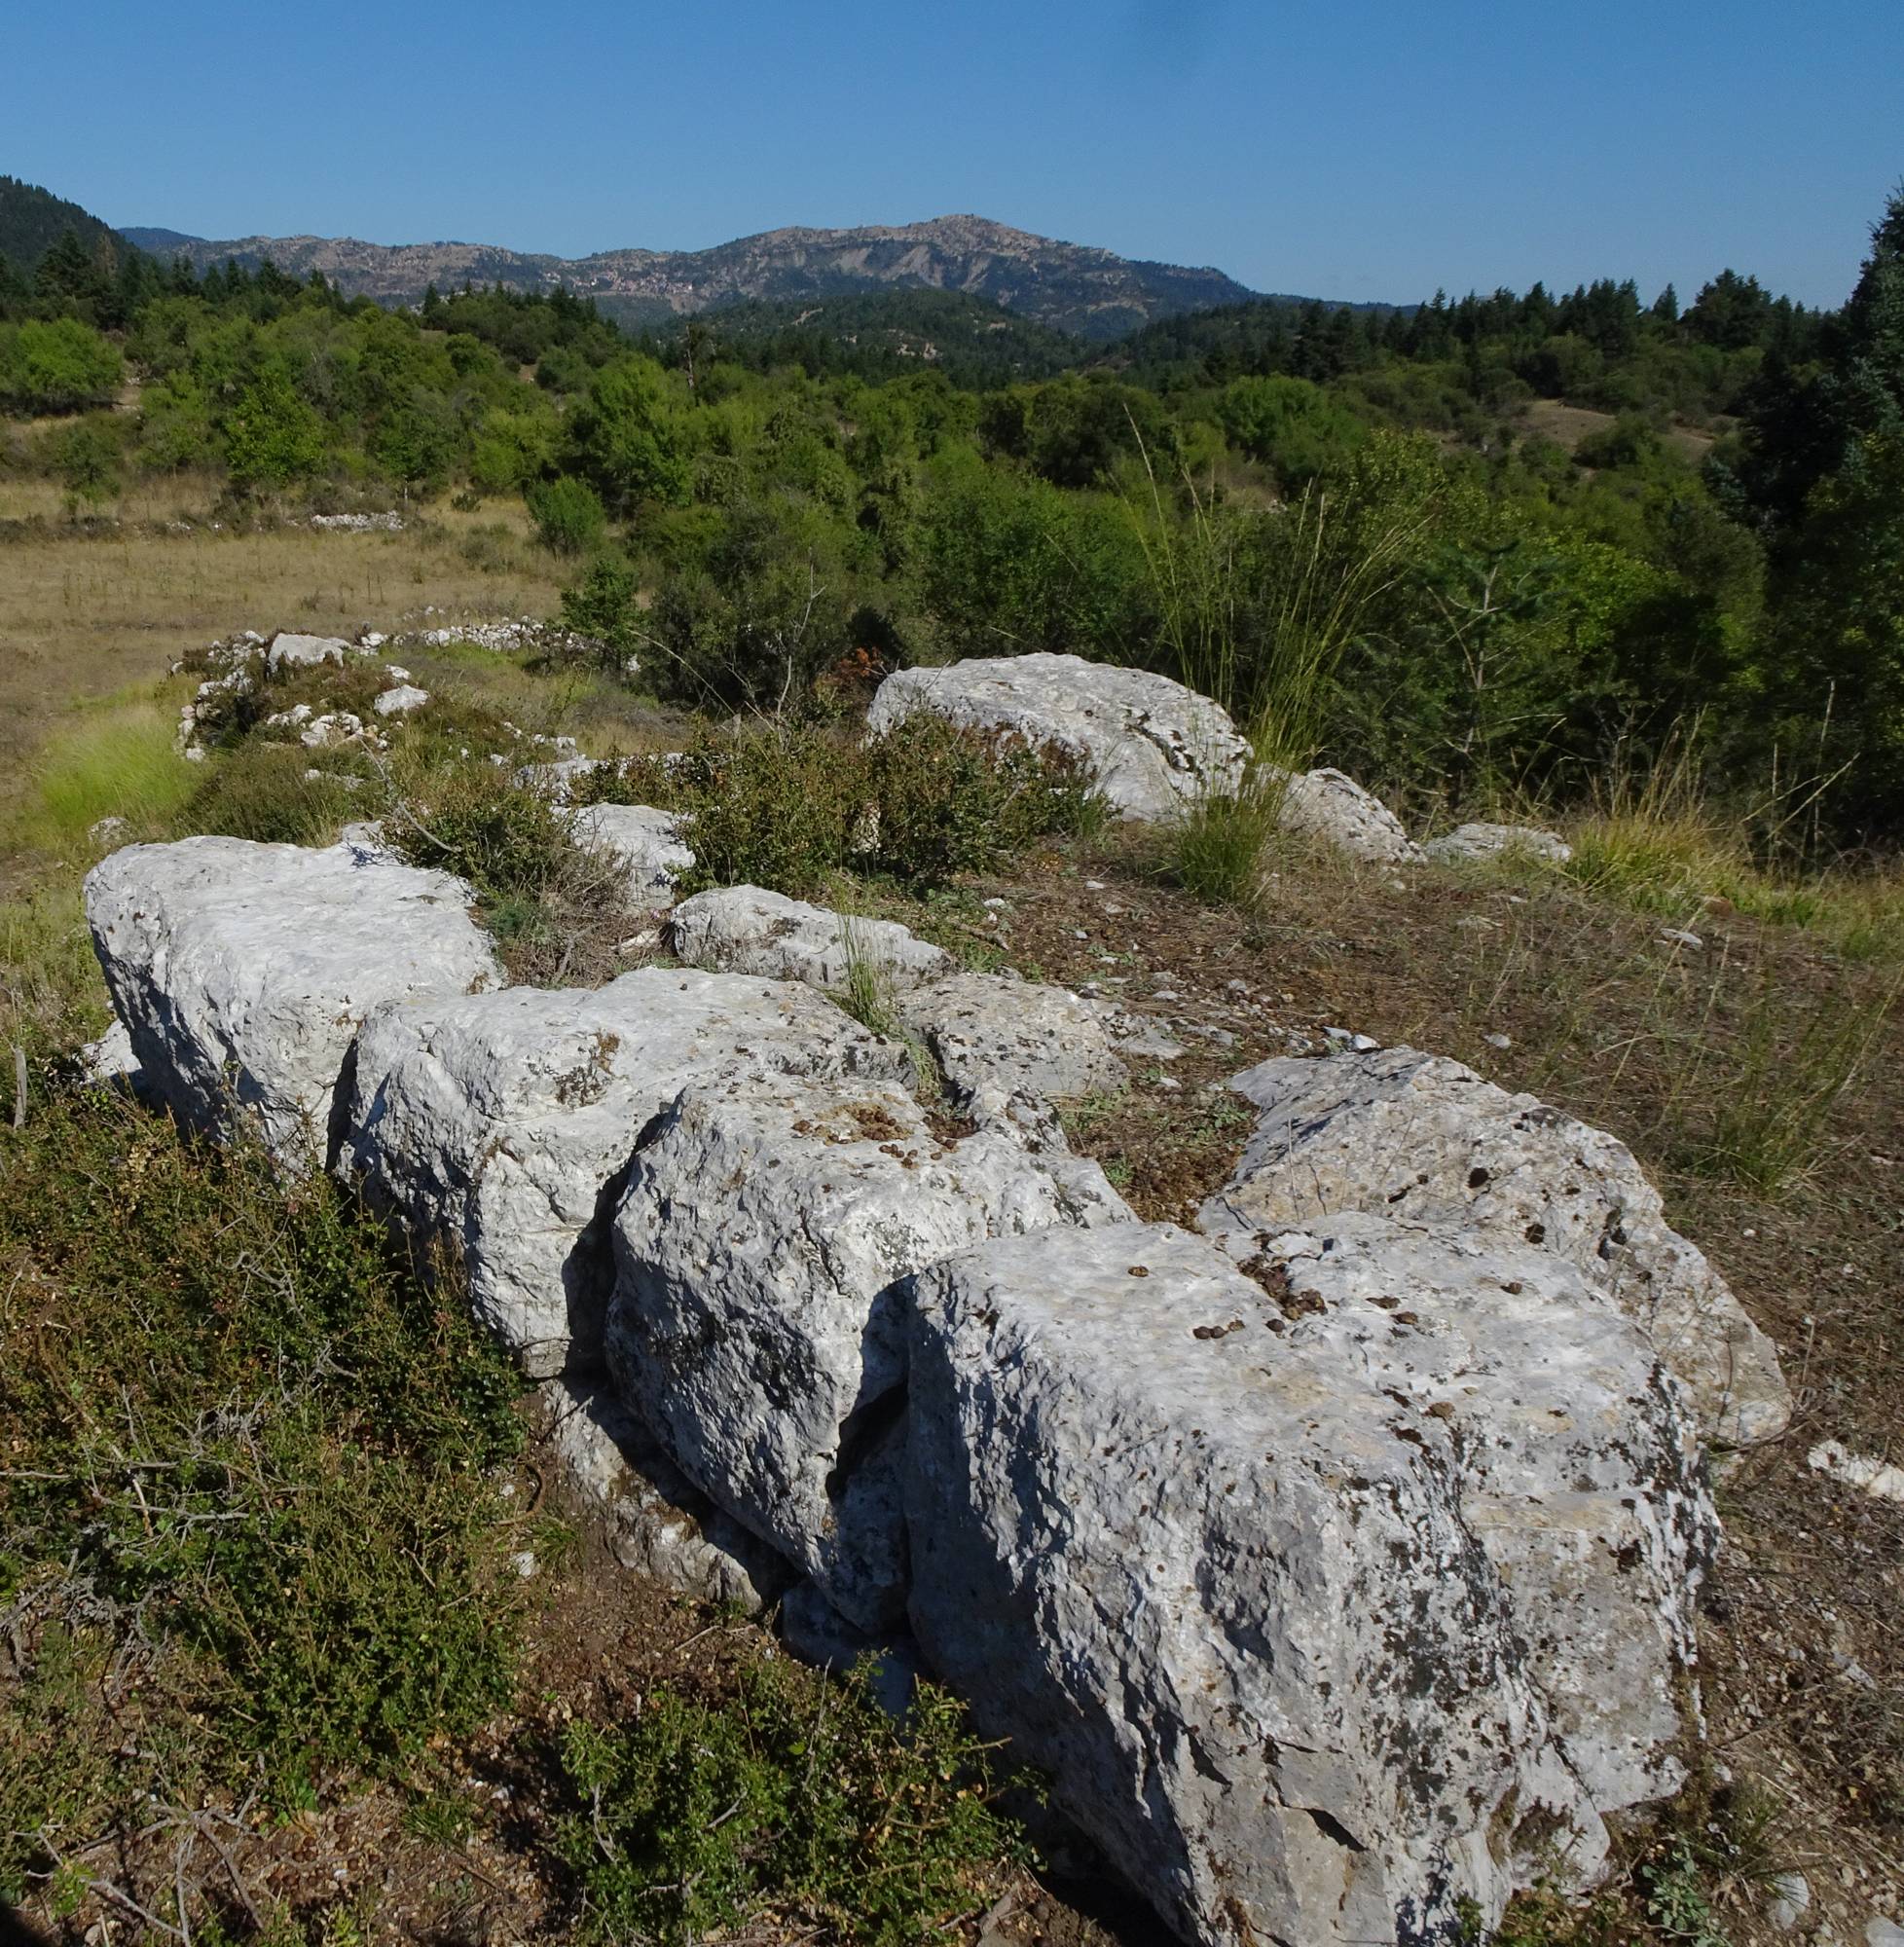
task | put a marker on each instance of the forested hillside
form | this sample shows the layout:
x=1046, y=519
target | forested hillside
x=1510, y=543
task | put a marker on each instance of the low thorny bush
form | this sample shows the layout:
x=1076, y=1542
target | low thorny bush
x=796, y=1795
x=248, y=1530
x=788, y=806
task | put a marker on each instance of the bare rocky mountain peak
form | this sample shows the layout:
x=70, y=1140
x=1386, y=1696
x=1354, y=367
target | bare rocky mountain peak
x=1074, y=287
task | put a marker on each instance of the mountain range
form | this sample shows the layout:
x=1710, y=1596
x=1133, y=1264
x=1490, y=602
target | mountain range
x=1091, y=293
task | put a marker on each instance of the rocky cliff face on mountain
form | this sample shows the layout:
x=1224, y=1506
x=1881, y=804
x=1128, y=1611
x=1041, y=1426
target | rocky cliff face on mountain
x=1072, y=286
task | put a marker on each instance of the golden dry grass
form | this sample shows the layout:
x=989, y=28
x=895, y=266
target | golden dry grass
x=106, y=611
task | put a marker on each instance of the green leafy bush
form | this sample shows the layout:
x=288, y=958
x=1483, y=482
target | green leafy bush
x=796, y=1797
x=56, y=365
x=568, y=513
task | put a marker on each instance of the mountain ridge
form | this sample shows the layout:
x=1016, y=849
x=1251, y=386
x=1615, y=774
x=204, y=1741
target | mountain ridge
x=1081, y=289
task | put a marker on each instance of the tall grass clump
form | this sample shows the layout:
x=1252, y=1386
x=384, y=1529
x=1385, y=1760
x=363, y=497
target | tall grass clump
x=114, y=761
x=1257, y=607
x=1256, y=610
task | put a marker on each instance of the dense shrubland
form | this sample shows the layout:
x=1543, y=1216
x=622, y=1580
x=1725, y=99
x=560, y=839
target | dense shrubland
x=1475, y=552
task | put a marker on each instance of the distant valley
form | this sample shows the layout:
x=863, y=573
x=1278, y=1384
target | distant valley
x=1090, y=293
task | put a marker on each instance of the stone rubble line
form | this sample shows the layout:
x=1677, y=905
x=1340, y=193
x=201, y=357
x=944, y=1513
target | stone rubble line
x=1339, y=1562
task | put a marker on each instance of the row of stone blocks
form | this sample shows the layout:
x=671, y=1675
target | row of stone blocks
x=1336, y=1562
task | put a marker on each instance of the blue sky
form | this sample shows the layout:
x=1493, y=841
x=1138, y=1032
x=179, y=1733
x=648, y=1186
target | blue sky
x=1351, y=150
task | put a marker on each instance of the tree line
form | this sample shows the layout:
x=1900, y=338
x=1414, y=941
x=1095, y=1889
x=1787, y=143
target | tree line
x=756, y=502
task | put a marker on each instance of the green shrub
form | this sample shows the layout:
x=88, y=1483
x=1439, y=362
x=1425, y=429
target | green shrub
x=569, y=514
x=796, y=1798
x=769, y=807
x=249, y=1463
x=788, y=807
x=56, y=365
x=259, y=790
x=476, y=820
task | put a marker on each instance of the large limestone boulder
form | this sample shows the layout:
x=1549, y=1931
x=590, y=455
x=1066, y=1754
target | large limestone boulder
x=241, y=972
x=748, y=930
x=1155, y=745
x=1481, y=839
x=1421, y=1138
x=1327, y=1613
x=755, y=1322
x=646, y=844
x=994, y=1037
x=501, y=1123
x=1330, y=805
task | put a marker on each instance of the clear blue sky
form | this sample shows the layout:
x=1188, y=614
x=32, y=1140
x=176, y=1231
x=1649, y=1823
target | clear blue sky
x=1344, y=148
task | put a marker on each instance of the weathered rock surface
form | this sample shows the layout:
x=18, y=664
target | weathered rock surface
x=293, y=651
x=746, y=930
x=1285, y=1603
x=400, y=700
x=657, y=1522
x=241, y=971
x=1155, y=745
x=501, y=1122
x=1483, y=840
x=817, y=1633
x=110, y=1063
x=755, y=1322
x=1421, y=1138
x=646, y=842
x=996, y=1037
x=1330, y=805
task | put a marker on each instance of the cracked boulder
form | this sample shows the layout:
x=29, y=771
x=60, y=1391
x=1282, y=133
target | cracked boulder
x=242, y=971
x=995, y=1036
x=756, y=1322
x=1155, y=746
x=1421, y=1138
x=502, y=1125
x=748, y=930
x=1334, y=1616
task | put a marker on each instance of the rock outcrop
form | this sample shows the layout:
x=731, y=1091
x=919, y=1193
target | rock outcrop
x=293, y=651
x=756, y=1322
x=994, y=1039
x=746, y=930
x=1273, y=1578
x=1155, y=746
x=1421, y=1138
x=502, y=1125
x=1331, y=806
x=646, y=844
x=1483, y=840
x=657, y=1521
x=241, y=971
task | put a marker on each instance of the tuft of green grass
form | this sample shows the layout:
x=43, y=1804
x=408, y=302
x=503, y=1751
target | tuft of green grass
x=797, y=1798
x=114, y=760
x=1216, y=848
